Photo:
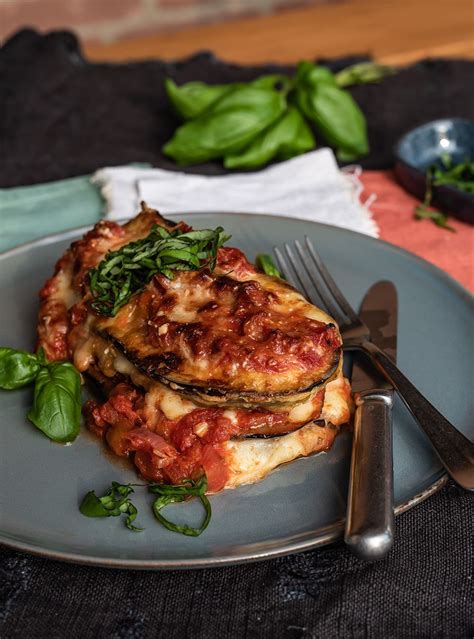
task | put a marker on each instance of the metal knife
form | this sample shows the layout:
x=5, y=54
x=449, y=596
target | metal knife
x=369, y=520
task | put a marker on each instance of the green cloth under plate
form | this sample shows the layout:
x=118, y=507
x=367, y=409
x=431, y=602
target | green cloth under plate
x=30, y=212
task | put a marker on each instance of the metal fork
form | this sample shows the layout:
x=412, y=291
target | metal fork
x=309, y=274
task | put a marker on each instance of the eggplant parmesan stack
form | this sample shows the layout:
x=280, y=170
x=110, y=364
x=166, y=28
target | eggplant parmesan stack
x=209, y=368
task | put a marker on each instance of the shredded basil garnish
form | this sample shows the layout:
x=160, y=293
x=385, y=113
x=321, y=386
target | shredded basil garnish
x=116, y=502
x=175, y=494
x=113, y=503
x=124, y=272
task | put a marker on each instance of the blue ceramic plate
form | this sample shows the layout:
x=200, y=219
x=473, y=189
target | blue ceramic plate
x=299, y=506
x=426, y=145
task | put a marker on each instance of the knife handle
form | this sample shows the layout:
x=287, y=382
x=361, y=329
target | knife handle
x=454, y=449
x=369, y=520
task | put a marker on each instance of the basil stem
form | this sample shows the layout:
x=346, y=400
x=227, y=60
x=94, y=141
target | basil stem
x=266, y=264
x=363, y=73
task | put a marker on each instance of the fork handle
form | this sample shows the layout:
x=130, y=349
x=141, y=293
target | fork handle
x=454, y=450
x=369, y=520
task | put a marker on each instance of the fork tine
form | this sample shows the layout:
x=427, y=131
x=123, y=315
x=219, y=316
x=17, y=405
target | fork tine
x=284, y=268
x=304, y=285
x=326, y=297
x=330, y=283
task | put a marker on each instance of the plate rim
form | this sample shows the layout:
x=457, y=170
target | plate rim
x=331, y=534
x=66, y=234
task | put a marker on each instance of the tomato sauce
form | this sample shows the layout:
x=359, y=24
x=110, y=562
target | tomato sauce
x=174, y=450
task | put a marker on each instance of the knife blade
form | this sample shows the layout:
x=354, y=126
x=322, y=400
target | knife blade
x=369, y=520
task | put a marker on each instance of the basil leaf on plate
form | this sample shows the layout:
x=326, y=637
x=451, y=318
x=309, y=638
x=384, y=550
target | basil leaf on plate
x=17, y=368
x=57, y=401
x=230, y=125
x=192, y=99
x=287, y=137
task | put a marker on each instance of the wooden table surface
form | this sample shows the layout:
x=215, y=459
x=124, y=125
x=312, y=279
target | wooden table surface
x=393, y=31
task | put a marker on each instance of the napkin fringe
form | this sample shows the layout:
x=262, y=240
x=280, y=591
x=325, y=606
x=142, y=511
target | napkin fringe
x=351, y=175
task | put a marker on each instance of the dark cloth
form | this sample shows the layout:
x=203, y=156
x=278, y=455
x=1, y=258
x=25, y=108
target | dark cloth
x=62, y=117
x=423, y=589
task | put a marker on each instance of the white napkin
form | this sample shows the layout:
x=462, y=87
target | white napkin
x=309, y=187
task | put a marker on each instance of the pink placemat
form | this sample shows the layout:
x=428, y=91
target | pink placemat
x=393, y=212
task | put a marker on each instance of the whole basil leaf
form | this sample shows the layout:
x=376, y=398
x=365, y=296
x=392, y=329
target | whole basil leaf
x=192, y=99
x=336, y=117
x=274, y=81
x=285, y=138
x=309, y=74
x=230, y=125
x=17, y=368
x=57, y=401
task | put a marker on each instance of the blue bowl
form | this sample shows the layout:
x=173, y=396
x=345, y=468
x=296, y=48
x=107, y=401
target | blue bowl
x=418, y=149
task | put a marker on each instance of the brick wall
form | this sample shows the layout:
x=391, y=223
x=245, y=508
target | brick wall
x=109, y=20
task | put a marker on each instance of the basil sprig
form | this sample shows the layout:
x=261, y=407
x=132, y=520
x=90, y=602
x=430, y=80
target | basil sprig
x=113, y=503
x=124, y=272
x=116, y=502
x=459, y=175
x=334, y=112
x=57, y=395
x=251, y=124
